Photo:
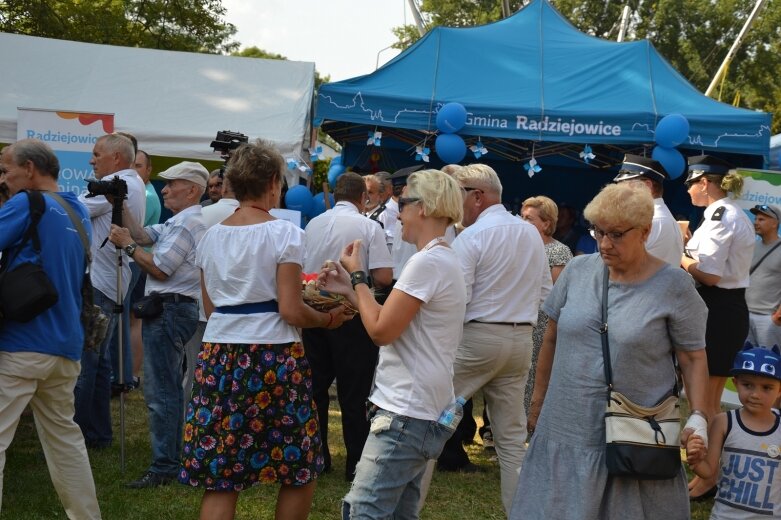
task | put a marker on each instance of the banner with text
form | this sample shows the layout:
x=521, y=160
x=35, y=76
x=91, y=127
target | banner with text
x=71, y=135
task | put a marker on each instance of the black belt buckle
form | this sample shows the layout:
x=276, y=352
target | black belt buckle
x=371, y=410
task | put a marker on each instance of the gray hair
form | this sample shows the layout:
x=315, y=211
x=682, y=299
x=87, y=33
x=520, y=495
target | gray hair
x=37, y=152
x=621, y=203
x=121, y=145
x=479, y=176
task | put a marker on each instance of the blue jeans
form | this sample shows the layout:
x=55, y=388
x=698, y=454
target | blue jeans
x=388, y=476
x=164, y=339
x=127, y=352
x=93, y=387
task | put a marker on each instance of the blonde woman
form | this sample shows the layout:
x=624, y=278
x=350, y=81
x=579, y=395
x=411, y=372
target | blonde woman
x=419, y=329
x=718, y=257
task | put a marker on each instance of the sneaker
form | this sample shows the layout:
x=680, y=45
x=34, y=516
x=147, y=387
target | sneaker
x=150, y=480
x=488, y=441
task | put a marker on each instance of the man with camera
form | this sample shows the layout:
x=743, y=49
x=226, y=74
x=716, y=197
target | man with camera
x=169, y=310
x=112, y=159
x=39, y=359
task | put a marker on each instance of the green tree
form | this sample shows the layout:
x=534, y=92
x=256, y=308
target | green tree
x=693, y=35
x=182, y=25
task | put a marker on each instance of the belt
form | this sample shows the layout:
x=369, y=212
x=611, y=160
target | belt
x=508, y=323
x=176, y=298
x=249, y=308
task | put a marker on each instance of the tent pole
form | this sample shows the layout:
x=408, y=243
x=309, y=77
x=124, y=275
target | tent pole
x=416, y=15
x=624, y=24
x=734, y=49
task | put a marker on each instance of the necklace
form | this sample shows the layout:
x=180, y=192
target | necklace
x=254, y=207
x=435, y=242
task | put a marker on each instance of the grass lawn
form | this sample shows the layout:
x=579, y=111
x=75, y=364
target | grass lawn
x=28, y=492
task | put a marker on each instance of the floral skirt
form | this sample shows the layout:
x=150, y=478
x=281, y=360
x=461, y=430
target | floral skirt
x=251, y=418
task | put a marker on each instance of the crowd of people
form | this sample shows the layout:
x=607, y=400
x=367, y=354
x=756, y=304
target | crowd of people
x=444, y=294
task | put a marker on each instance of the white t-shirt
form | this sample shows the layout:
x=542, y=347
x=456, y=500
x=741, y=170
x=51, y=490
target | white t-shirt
x=402, y=251
x=240, y=266
x=665, y=240
x=414, y=376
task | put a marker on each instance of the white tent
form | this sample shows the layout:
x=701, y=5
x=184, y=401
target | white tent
x=173, y=102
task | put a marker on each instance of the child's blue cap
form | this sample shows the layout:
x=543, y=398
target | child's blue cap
x=758, y=361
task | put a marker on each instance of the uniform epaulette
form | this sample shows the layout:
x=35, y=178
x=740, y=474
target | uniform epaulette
x=719, y=213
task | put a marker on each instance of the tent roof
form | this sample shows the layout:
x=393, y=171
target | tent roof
x=534, y=76
x=173, y=102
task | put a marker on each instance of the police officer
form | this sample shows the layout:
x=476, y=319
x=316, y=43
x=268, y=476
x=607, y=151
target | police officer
x=718, y=257
x=665, y=240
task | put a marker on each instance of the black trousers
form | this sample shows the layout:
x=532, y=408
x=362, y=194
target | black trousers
x=349, y=356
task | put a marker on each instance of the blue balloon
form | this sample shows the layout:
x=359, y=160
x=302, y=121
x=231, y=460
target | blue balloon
x=336, y=160
x=333, y=173
x=299, y=198
x=318, y=204
x=451, y=118
x=450, y=148
x=672, y=130
x=672, y=160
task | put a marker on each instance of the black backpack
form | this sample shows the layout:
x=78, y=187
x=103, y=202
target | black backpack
x=25, y=290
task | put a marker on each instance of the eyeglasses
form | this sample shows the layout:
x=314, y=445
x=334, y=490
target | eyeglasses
x=613, y=236
x=403, y=201
x=764, y=208
x=468, y=189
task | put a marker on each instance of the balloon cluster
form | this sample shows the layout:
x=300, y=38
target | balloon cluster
x=450, y=119
x=299, y=198
x=335, y=170
x=671, y=131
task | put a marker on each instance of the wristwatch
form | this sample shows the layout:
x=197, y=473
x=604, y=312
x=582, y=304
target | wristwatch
x=130, y=249
x=357, y=277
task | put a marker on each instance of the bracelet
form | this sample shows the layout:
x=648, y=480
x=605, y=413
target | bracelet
x=358, y=277
x=330, y=320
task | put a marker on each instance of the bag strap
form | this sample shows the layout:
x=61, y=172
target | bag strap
x=37, y=209
x=603, y=334
x=751, y=271
x=86, y=283
x=606, y=347
x=77, y=224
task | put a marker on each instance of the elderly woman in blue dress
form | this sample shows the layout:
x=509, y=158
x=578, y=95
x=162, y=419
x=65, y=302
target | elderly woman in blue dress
x=654, y=314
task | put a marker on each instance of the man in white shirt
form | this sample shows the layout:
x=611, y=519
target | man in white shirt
x=112, y=158
x=173, y=275
x=223, y=208
x=665, y=240
x=346, y=354
x=507, y=277
x=377, y=194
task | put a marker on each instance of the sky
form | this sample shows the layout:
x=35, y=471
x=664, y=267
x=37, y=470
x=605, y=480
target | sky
x=342, y=37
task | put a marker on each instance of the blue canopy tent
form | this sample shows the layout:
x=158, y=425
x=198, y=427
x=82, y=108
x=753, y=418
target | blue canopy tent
x=533, y=85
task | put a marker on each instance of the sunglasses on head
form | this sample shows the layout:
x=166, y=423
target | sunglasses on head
x=403, y=201
x=764, y=208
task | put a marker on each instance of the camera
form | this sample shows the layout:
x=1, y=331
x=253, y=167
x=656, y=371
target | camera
x=116, y=187
x=227, y=141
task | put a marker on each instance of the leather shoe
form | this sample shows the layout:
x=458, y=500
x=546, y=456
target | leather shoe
x=150, y=480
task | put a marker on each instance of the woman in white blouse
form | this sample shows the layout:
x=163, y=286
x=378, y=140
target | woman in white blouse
x=251, y=418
